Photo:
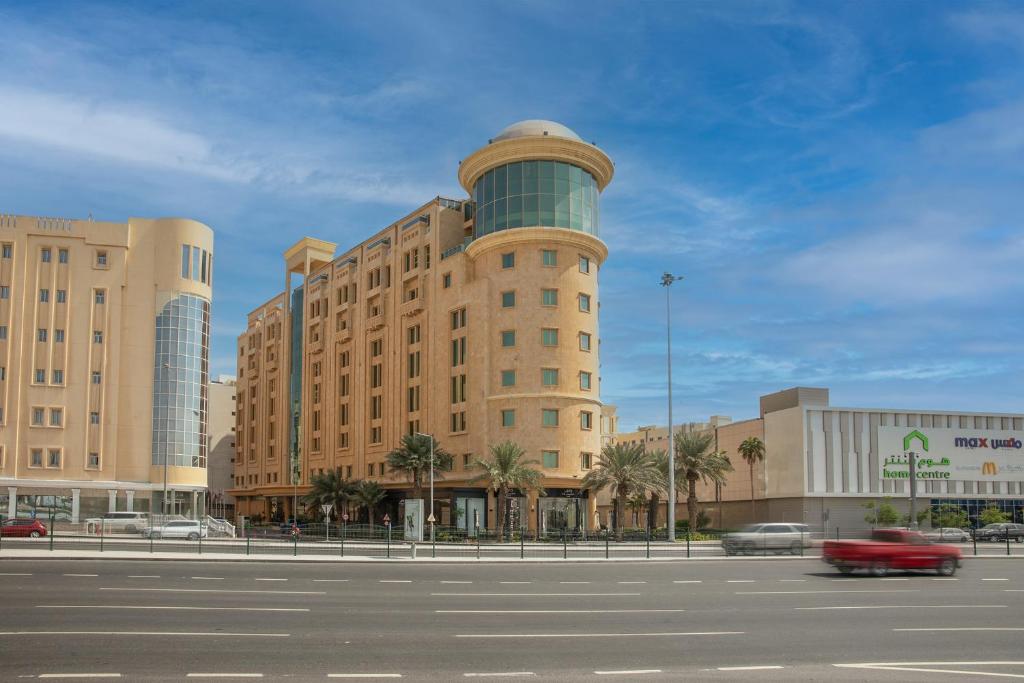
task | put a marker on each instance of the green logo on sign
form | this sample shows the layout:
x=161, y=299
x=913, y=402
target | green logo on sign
x=915, y=435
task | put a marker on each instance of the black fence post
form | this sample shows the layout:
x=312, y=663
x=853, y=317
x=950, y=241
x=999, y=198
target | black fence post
x=687, y=543
x=478, y=542
x=974, y=537
x=389, y=539
x=522, y=544
x=200, y=538
x=764, y=543
x=52, y=532
x=295, y=544
x=101, y=536
x=247, y=539
x=607, y=535
x=565, y=545
x=1007, y=541
x=648, y=543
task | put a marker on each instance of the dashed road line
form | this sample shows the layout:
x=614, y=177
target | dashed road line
x=271, y=579
x=750, y=668
x=552, y=611
x=995, y=579
x=89, y=575
x=963, y=628
x=212, y=590
x=89, y=675
x=14, y=574
x=394, y=581
x=740, y=581
x=627, y=583
x=364, y=675
x=689, y=581
x=499, y=674
x=792, y=580
x=330, y=580
x=896, y=607
x=456, y=582
x=224, y=675
x=535, y=595
x=576, y=582
x=628, y=672
x=176, y=607
x=659, y=634
x=203, y=634
x=208, y=578
x=866, y=590
x=145, y=576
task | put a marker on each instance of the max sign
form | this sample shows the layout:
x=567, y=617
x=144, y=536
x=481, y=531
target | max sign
x=952, y=454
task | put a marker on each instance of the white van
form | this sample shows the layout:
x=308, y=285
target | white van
x=128, y=522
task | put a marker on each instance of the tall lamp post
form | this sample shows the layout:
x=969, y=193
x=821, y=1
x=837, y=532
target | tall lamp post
x=666, y=281
x=430, y=518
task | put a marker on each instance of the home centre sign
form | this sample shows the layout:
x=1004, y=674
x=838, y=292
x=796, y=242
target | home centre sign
x=953, y=454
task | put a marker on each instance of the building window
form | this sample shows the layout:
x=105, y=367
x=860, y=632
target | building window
x=467, y=460
x=38, y=415
x=56, y=417
x=376, y=347
x=343, y=415
x=343, y=359
x=508, y=338
x=58, y=377
x=508, y=418
x=586, y=420
x=585, y=303
x=5, y=292
x=3, y=332
x=414, y=334
x=40, y=376
x=58, y=336
x=7, y=251
x=549, y=257
x=44, y=296
x=446, y=280
x=458, y=351
x=584, y=264
x=549, y=377
x=45, y=255
x=414, y=365
x=414, y=399
x=343, y=443
x=94, y=461
x=62, y=296
x=585, y=381
x=586, y=461
x=549, y=297
x=584, y=341
x=101, y=259
x=375, y=433
x=550, y=459
x=549, y=417
x=97, y=378
x=54, y=459
x=97, y=337
x=62, y=255
x=459, y=421
x=508, y=260
x=94, y=418
x=185, y=251
x=36, y=457
x=343, y=385
x=3, y=373
x=376, y=407
x=459, y=319
x=41, y=334
x=376, y=375
x=101, y=296
x=508, y=299
x=508, y=378
x=549, y=336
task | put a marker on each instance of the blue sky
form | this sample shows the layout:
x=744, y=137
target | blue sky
x=840, y=183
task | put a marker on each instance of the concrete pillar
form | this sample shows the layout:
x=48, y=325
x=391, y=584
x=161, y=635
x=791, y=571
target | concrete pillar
x=590, y=516
x=111, y=500
x=195, y=505
x=131, y=501
x=12, y=503
x=76, y=500
x=531, y=511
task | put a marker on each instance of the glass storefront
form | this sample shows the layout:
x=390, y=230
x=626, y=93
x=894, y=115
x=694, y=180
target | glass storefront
x=562, y=510
x=180, y=378
x=974, y=506
x=536, y=193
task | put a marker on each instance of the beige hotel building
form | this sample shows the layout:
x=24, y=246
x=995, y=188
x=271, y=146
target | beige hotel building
x=474, y=320
x=104, y=338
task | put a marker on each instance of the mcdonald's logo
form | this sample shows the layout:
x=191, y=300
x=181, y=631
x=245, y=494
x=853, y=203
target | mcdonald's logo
x=989, y=468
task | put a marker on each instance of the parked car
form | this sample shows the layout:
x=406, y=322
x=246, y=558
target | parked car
x=948, y=535
x=191, y=529
x=1000, y=532
x=31, y=528
x=776, y=537
x=128, y=522
x=891, y=549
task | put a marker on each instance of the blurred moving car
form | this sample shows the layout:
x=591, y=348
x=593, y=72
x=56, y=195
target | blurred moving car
x=948, y=535
x=891, y=549
x=1000, y=532
x=128, y=522
x=25, y=528
x=191, y=529
x=776, y=537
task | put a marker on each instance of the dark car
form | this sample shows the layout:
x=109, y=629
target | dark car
x=1000, y=532
x=31, y=528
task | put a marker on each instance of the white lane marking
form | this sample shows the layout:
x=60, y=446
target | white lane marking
x=748, y=668
x=497, y=674
x=945, y=579
x=600, y=635
x=79, y=675
x=793, y=580
x=515, y=582
x=896, y=607
x=395, y=581
x=626, y=583
x=551, y=611
x=208, y=578
x=145, y=576
x=330, y=580
x=14, y=574
x=740, y=581
x=995, y=579
x=222, y=609
x=867, y=590
x=893, y=578
x=628, y=672
x=142, y=633
x=576, y=582
x=688, y=581
x=364, y=675
x=213, y=590
x=965, y=628
x=535, y=595
x=81, y=575
x=917, y=667
x=456, y=582
x=224, y=675
x=271, y=579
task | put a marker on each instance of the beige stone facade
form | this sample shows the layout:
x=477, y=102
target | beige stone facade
x=221, y=438
x=473, y=320
x=104, y=331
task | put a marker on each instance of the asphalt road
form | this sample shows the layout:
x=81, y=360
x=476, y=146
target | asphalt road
x=791, y=619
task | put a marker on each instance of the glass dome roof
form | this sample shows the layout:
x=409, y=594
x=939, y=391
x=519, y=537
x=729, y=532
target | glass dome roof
x=536, y=127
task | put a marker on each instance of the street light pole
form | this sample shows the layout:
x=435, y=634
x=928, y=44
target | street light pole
x=913, y=490
x=167, y=367
x=430, y=517
x=666, y=281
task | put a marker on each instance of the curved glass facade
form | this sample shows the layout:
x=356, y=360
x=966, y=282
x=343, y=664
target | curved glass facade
x=536, y=193
x=180, y=376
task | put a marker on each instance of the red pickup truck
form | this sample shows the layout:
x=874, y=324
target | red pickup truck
x=891, y=549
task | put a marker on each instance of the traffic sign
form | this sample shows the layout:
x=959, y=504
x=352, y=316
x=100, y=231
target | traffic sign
x=344, y=517
x=327, y=507
x=431, y=518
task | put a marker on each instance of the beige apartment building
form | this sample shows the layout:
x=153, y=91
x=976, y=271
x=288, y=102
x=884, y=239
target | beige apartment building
x=474, y=320
x=104, y=347
x=220, y=464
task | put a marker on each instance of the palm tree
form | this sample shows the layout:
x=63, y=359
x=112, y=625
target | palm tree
x=625, y=470
x=329, y=488
x=752, y=450
x=695, y=460
x=661, y=461
x=636, y=504
x=369, y=494
x=412, y=459
x=507, y=470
